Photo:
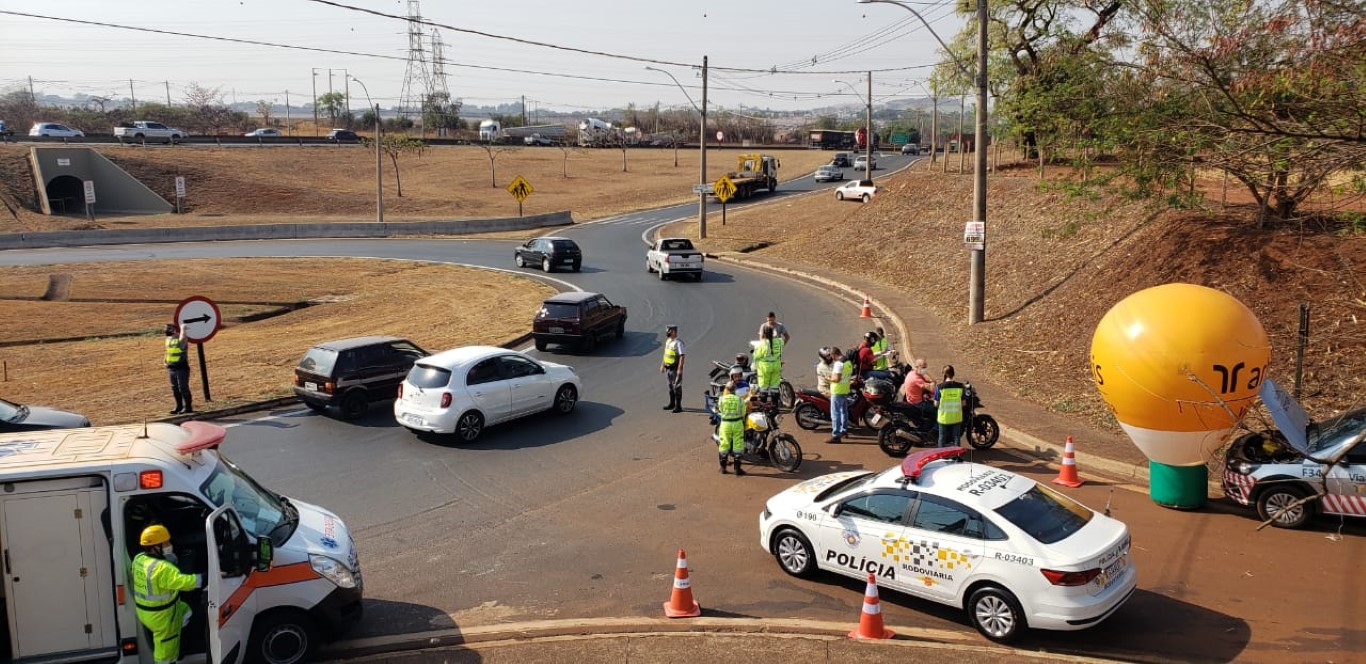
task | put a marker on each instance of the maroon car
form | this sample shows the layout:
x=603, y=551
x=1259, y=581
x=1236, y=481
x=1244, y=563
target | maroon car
x=577, y=319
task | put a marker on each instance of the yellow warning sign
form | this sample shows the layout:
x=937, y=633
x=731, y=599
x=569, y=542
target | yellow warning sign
x=724, y=188
x=520, y=188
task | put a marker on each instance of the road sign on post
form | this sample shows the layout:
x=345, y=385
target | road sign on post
x=90, y=199
x=975, y=234
x=520, y=189
x=725, y=188
x=703, y=188
x=200, y=318
x=179, y=193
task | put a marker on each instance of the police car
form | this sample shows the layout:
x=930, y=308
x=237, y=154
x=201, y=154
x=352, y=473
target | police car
x=1014, y=554
x=1275, y=470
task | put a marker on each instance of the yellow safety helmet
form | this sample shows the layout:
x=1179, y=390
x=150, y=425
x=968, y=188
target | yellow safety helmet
x=154, y=535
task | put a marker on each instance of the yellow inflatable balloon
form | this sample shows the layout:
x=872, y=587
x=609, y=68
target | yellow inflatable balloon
x=1178, y=364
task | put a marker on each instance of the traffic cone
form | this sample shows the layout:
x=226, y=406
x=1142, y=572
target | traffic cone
x=1067, y=473
x=867, y=307
x=870, y=622
x=681, y=603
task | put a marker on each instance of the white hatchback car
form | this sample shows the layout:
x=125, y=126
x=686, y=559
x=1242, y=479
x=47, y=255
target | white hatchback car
x=465, y=389
x=857, y=190
x=54, y=130
x=1014, y=554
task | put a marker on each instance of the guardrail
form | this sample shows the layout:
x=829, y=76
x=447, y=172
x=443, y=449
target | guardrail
x=296, y=141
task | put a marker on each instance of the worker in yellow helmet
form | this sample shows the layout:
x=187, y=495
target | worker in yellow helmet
x=157, y=584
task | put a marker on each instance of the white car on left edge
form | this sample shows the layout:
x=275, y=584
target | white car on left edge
x=465, y=389
x=1014, y=554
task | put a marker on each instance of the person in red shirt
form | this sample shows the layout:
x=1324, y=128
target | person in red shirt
x=917, y=389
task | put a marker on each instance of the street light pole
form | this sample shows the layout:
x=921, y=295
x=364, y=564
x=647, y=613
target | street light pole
x=868, y=127
x=702, y=143
x=978, y=265
x=379, y=161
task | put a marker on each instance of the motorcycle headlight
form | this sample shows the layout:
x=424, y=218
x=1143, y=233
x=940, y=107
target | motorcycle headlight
x=333, y=570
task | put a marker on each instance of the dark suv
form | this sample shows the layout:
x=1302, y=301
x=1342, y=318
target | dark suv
x=350, y=374
x=841, y=160
x=578, y=319
x=549, y=253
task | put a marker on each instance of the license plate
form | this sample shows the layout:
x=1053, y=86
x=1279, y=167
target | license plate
x=311, y=386
x=557, y=330
x=876, y=419
x=412, y=419
x=1114, y=570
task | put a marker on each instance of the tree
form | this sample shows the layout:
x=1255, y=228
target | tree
x=440, y=112
x=395, y=145
x=333, y=104
x=493, y=153
x=264, y=109
x=566, y=149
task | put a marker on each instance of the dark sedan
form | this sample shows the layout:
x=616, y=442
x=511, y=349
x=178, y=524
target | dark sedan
x=17, y=418
x=549, y=254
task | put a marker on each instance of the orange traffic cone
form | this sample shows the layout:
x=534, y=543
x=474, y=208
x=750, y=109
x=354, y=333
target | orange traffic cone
x=870, y=622
x=867, y=307
x=681, y=603
x=1067, y=474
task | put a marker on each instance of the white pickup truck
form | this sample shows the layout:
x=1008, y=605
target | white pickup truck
x=671, y=256
x=146, y=130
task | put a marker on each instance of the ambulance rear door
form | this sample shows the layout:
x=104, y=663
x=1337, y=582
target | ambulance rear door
x=229, y=602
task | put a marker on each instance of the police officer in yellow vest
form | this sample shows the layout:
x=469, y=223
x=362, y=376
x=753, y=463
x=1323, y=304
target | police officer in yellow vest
x=157, y=583
x=178, y=368
x=768, y=361
x=881, y=349
x=948, y=398
x=672, y=368
x=731, y=431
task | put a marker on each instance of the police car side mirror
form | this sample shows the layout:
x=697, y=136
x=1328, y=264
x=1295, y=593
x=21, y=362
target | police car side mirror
x=265, y=553
x=835, y=510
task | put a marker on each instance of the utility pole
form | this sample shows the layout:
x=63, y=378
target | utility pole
x=868, y=149
x=168, y=94
x=962, y=149
x=934, y=125
x=379, y=168
x=132, y=95
x=288, y=131
x=346, y=78
x=31, y=96
x=978, y=280
x=702, y=197
x=315, y=101
x=523, y=110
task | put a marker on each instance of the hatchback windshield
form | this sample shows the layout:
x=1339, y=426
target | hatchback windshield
x=1045, y=515
x=427, y=377
x=319, y=361
x=263, y=512
x=559, y=310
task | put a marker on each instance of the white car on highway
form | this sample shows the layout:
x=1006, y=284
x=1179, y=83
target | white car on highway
x=856, y=190
x=465, y=389
x=54, y=130
x=1014, y=554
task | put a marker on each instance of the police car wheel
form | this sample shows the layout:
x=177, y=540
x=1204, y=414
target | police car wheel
x=1274, y=501
x=996, y=614
x=794, y=553
x=287, y=638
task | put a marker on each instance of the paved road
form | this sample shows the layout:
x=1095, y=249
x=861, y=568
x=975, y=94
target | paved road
x=579, y=517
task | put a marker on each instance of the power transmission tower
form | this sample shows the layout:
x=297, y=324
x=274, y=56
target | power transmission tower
x=417, y=81
x=439, y=93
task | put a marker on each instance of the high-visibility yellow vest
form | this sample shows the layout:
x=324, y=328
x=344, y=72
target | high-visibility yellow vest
x=880, y=364
x=766, y=353
x=841, y=386
x=670, y=352
x=730, y=408
x=174, y=353
x=145, y=589
x=951, y=405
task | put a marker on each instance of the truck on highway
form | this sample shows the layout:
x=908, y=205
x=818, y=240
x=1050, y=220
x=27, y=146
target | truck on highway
x=274, y=574
x=671, y=256
x=144, y=130
x=754, y=173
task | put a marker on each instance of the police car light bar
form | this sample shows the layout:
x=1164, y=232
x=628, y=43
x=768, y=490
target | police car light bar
x=203, y=436
x=914, y=463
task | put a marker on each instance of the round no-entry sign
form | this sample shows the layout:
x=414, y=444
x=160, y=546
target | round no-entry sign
x=199, y=317
x=720, y=135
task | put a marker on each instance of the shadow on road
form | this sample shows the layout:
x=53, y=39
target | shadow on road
x=633, y=344
x=1153, y=628
x=536, y=430
x=384, y=618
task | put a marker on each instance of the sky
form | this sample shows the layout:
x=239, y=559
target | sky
x=844, y=38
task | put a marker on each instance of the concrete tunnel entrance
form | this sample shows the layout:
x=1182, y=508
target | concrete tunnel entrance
x=66, y=195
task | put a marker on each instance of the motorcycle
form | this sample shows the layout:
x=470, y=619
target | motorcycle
x=909, y=426
x=866, y=396
x=720, y=373
x=764, y=443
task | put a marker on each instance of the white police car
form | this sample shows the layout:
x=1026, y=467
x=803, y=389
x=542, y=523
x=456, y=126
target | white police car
x=1276, y=470
x=1013, y=553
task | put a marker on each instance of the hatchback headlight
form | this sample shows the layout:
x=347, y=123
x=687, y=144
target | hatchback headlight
x=333, y=570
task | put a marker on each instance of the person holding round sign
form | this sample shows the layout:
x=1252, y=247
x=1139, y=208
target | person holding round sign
x=178, y=368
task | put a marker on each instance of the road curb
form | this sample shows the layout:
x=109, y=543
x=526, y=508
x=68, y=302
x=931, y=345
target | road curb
x=599, y=628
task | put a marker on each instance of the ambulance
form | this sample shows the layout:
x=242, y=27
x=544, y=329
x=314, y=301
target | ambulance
x=281, y=574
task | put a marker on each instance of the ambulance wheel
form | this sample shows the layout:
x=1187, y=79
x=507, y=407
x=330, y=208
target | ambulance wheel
x=354, y=405
x=283, y=638
x=996, y=614
x=794, y=553
x=1275, y=498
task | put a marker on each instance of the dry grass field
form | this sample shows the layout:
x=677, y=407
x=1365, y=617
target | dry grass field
x=109, y=366
x=248, y=185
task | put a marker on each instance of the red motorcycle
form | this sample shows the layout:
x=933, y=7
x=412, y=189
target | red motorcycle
x=865, y=398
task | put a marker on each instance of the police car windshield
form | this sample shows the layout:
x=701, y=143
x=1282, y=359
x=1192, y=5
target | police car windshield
x=263, y=513
x=1045, y=515
x=1336, y=431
